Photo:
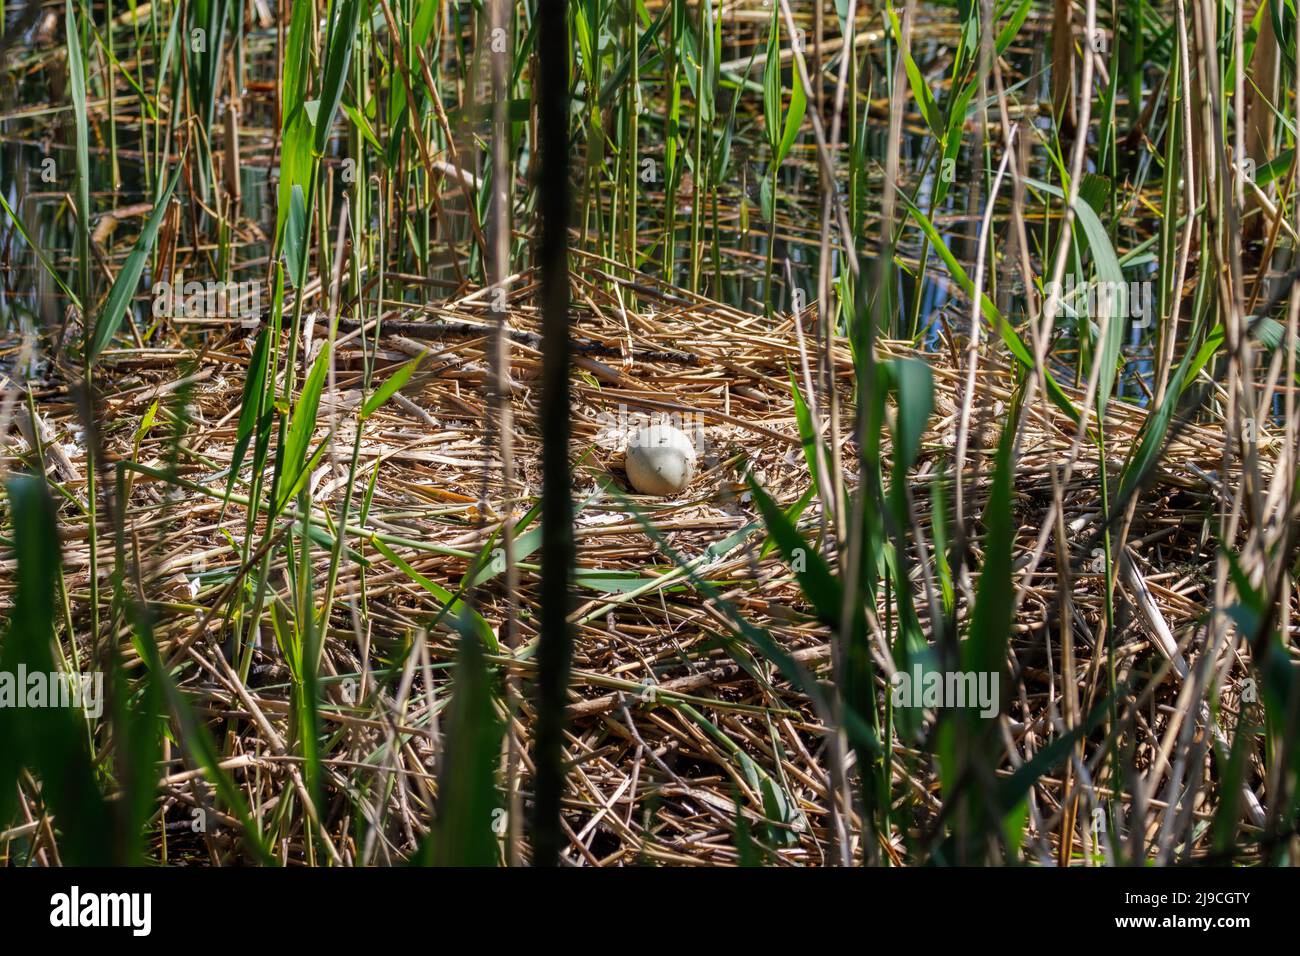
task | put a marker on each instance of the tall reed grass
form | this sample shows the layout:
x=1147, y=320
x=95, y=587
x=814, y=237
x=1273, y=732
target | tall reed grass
x=1089, y=499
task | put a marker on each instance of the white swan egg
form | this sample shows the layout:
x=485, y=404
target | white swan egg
x=660, y=460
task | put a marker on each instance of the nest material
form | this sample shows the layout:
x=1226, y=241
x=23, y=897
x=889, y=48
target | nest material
x=670, y=714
